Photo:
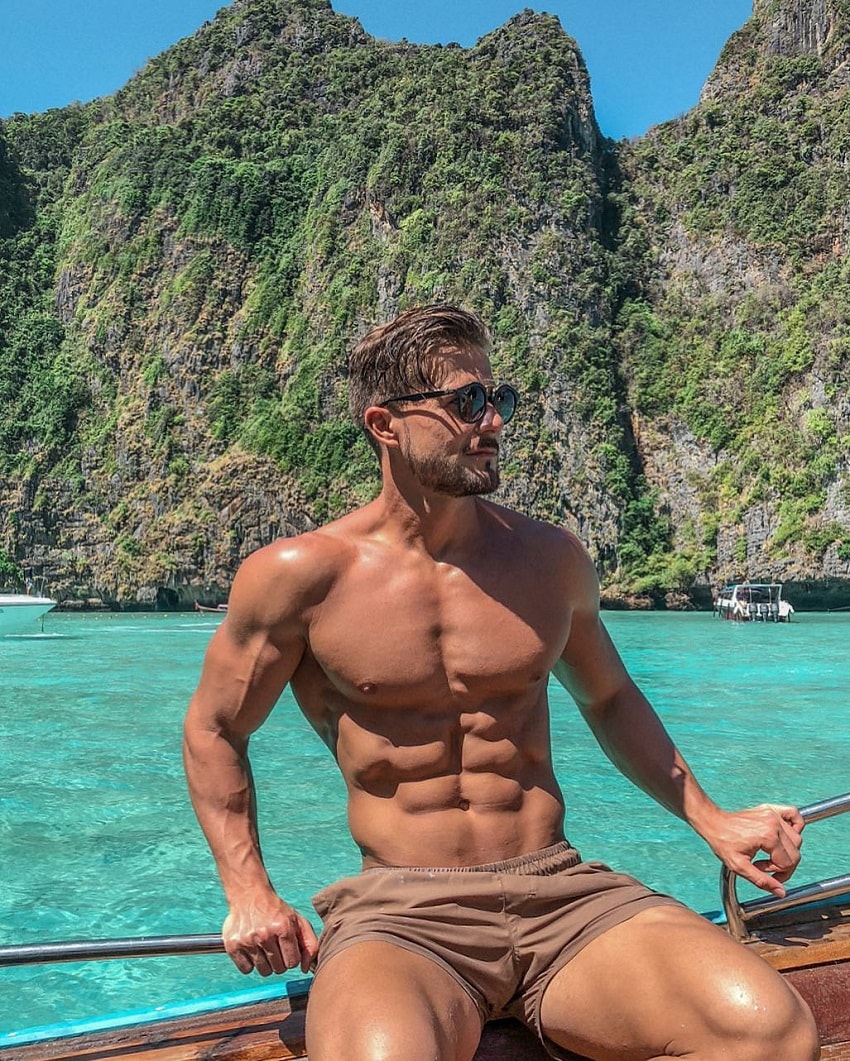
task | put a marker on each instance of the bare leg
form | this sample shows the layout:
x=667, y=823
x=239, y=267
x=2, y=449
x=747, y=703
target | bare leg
x=377, y=1002
x=668, y=983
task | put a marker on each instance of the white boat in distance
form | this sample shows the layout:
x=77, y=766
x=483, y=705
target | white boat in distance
x=754, y=602
x=18, y=612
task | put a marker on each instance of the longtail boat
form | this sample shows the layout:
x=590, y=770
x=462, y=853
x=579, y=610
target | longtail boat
x=805, y=935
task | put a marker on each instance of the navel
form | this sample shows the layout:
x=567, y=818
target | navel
x=463, y=804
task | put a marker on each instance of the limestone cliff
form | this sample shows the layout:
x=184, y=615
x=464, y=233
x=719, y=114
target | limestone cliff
x=183, y=267
x=736, y=349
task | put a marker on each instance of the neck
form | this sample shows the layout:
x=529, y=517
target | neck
x=437, y=521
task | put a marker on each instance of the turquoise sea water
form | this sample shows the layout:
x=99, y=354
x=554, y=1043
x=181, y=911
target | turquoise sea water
x=97, y=837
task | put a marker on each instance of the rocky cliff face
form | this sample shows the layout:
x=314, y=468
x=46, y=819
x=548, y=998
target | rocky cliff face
x=185, y=265
x=744, y=428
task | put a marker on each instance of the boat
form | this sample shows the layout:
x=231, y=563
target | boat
x=754, y=602
x=19, y=611
x=218, y=609
x=805, y=935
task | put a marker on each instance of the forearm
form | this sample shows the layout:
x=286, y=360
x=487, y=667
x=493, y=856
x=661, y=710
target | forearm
x=261, y=931
x=222, y=792
x=634, y=739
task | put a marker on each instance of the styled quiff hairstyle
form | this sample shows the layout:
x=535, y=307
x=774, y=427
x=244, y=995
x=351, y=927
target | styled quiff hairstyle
x=403, y=355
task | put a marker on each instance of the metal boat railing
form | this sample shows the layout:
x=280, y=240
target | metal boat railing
x=100, y=949
x=741, y=915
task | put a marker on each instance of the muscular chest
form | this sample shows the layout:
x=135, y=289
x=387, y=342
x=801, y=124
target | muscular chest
x=423, y=633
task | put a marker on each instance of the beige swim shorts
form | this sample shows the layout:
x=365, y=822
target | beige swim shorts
x=502, y=930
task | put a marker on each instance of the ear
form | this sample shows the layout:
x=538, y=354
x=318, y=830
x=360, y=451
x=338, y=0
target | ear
x=379, y=421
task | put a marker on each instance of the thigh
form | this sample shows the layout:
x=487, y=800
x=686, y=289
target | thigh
x=374, y=1000
x=667, y=982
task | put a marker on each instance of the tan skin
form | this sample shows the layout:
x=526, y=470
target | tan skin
x=417, y=635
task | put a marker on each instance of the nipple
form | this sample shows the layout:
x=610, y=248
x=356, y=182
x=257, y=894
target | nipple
x=367, y=688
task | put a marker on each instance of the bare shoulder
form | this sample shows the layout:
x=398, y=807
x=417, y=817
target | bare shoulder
x=281, y=583
x=534, y=530
x=548, y=545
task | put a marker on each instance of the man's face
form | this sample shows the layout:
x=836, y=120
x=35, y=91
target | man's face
x=447, y=455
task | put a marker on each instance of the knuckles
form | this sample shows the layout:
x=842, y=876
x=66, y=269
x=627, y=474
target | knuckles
x=273, y=946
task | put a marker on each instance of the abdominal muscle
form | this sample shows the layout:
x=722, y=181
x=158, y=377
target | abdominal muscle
x=464, y=834
x=455, y=797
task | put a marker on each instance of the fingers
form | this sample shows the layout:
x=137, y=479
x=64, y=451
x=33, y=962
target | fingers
x=776, y=830
x=790, y=819
x=785, y=852
x=309, y=944
x=764, y=874
x=239, y=958
x=265, y=954
x=791, y=816
x=284, y=943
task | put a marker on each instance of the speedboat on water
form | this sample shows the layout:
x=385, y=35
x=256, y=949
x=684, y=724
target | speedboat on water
x=805, y=935
x=19, y=611
x=754, y=602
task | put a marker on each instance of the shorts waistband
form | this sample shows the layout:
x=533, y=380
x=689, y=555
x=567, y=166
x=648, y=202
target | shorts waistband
x=551, y=859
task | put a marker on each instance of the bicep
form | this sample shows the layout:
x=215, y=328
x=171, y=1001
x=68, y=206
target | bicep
x=242, y=678
x=589, y=666
x=256, y=650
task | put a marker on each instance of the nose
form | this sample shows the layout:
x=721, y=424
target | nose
x=491, y=420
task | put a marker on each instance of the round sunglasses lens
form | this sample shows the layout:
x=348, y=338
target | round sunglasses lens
x=471, y=402
x=504, y=401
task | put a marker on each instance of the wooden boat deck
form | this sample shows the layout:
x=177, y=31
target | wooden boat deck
x=814, y=955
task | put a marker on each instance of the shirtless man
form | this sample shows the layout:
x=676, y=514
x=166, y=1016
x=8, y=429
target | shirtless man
x=417, y=635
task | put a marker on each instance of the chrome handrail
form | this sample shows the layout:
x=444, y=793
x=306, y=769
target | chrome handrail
x=99, y=949
x=739, y=915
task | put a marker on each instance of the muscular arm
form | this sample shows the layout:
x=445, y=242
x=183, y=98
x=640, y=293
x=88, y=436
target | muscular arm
x=251, y=657
x=634, y=739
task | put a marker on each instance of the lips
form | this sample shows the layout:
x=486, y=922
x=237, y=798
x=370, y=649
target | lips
x=485, y=448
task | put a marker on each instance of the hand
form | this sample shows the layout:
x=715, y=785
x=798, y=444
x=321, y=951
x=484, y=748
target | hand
x=772, y=828
x=268, y=935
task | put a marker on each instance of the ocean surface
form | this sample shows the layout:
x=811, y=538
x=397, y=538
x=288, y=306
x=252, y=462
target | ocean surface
x=98, y=840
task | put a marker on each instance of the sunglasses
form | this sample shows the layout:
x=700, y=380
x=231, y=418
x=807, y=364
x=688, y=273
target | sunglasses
x=471, y=399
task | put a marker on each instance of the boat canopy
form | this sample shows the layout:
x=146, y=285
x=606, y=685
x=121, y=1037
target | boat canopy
x=757, y=592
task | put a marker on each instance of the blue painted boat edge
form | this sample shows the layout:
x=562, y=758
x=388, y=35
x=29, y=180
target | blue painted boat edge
x=169, y=1011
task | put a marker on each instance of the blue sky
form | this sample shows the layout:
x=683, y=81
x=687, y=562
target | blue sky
x=648, y=59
